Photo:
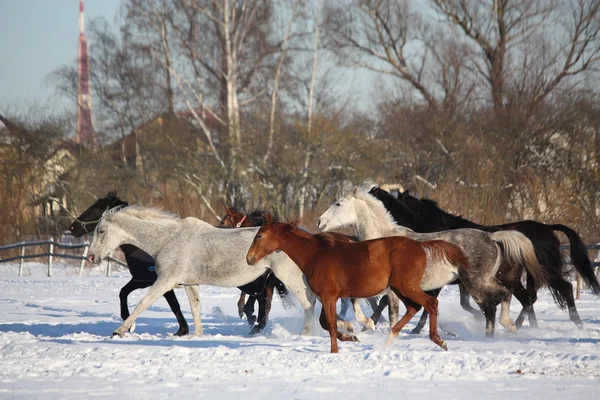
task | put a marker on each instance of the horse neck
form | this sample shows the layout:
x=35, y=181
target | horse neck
x=450, y=221
x=373, y=222
x=302, y=251
x=149, y=235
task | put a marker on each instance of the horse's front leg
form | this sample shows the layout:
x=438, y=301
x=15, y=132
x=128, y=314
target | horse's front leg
x=159, y=288
x=184, y=329
x=264, y=307
x=125, y=292
x=193, y=294
x=505, y=319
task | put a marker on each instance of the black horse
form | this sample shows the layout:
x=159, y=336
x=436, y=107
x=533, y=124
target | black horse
x=261, y=289
x=424, y=215
x=141, y=265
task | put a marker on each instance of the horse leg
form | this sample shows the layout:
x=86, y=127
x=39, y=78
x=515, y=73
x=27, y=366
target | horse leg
x=524, y=297
x=505, y=319
x=174, y=304
x=464, y=303
x=383, y=303
x=293, y=279
x=417, y=329
x=124, y=293
x=159, y=288
x=360, y=317
x=193, y=294
x=240, y=304
x=393, y=308
x=340, y=335
x=419, y=299
x=411, y=309
x=566, y=289
x=249, y=309
x=489, y=311
x=344, y=307
x=264, y=307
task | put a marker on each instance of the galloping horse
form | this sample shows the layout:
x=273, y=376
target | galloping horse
x=336, y=268
x=191, y=252
x=496, y=259
x=426, y=216
x=140, y=264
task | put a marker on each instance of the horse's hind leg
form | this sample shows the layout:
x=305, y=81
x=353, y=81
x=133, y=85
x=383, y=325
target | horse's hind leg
x=345, y=305
x=421, y=324
x=566, y=289
x=174, y=304
x=464, y=303
x=383, y=303
x=240, y=304
x=193, y=294
x=411, y=309
x=489, y=311
x=249, y=309
x=158, y=289
x=393, y=308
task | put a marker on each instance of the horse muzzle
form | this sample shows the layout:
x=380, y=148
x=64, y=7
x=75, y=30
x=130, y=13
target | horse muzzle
x=251, y=260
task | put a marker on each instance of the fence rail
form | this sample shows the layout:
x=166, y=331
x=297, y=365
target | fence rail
x=51, y=253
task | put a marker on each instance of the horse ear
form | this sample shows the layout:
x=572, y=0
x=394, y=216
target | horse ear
x=295, y=223
x=374, y=189
x=355, y=189
x=405, y=194
x=228, y=210
x=112, y=195
x=268, y=219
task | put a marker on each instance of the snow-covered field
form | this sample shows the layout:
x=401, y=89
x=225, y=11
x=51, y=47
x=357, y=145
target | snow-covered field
x=55, y=343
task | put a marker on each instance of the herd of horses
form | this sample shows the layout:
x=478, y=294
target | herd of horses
x=404, y=248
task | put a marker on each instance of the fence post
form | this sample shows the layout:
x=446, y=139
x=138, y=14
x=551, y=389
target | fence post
x=85, y=253
x=50, y=256
x=108, y=265
x=21, y=259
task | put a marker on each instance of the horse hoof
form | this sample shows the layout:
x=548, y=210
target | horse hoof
x=256, y=330
x=117, y=333
x=444, y=346
x=132, y=328
x=182, y=332
x=355, y=338
x=416, y=331
x=251, y=320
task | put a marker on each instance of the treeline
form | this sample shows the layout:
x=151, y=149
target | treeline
x=489, y=107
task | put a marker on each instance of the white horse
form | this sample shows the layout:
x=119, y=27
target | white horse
x=494, y=268
x=190, y=252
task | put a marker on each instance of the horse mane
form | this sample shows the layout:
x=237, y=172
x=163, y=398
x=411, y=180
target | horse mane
x=401, y=213
x=257, y=216
x=145, y=213
x=325, y=240
x=447, y=219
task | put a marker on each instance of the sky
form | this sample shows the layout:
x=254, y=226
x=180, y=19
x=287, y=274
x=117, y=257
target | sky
x=36, y=37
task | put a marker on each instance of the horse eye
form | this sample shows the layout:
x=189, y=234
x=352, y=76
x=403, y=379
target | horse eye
x=259, y=236
x=101, y=231
x=337, y=204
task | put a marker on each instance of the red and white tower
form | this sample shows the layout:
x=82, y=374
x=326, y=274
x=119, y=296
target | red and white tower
x=85, y=129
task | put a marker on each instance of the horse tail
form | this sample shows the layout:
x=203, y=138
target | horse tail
x=518, y=249
x=579, y=257
x=287, y=298
x=442, y=251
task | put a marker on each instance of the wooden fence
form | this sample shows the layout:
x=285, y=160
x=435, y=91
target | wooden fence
x=52, y=253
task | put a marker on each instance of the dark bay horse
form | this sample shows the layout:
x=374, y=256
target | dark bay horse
x=260, y=290
x=336, y=268
x=424, y=215
x=141, y=265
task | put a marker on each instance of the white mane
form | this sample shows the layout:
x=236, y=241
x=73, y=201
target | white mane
x=140, y=212
x=380, y=218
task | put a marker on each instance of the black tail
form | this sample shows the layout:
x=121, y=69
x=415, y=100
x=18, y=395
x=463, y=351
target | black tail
x=579, y=257
x=287, y=299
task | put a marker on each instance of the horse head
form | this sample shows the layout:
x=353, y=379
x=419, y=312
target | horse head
x=88, y=220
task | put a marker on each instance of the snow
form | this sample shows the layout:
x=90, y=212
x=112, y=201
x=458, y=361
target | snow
x=55, y=343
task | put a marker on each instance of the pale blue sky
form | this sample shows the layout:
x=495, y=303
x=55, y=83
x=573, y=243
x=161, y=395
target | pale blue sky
x=37, y=36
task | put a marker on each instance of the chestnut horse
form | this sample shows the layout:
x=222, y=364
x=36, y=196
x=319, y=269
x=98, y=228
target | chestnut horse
x=335, y=268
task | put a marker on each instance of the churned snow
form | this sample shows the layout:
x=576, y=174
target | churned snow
x=55, y=343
